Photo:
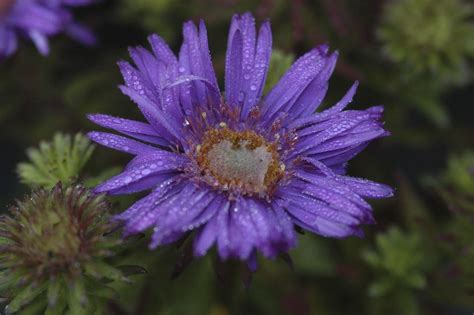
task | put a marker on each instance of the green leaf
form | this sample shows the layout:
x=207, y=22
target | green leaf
x=24, y=297
x=103, y=270
x=77, y=298
x=131, y=270
x=54, y=291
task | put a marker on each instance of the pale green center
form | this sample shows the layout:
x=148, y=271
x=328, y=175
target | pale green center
x=240, y=164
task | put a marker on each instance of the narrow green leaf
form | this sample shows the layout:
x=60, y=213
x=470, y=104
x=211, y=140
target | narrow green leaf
x=24, y=297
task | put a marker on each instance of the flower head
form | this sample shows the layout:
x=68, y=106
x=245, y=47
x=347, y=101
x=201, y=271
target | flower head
x=54, y=244
x=38, y=20
x=239, y=169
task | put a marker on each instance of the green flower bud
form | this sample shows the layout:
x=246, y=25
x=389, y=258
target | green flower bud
x=54, y=253
x=58, y=160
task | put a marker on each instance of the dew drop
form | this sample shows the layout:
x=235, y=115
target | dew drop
x=241, y=96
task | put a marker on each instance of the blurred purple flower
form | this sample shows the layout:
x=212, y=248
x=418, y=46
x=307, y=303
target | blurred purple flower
x=239, y=169
x=38, y=20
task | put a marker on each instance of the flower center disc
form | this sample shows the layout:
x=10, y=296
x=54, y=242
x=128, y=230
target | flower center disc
x=242, y=161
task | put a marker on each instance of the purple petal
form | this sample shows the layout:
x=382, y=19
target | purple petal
x=339, y=133
x=367, y=188
x=311, y=97
x=176, y=216
x=8, y=42
x=149, y=83
x=233, y=69
x=162, y=50
x=158, y=118
x=333, y=193
x=198, y=62
x=149, y=201
x=143, y=175
x=120, y=143
x=247, y=62
x=40, y=41
x=293, y=83
x=81, y=34
x=206, y=236
x=208, y=68
x=35, y=17
x=245, y=226
x=132, y=128
x=308, y=209
x=259, y=72
x=347, y=99
x=148, y=216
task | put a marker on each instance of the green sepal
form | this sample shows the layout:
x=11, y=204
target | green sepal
x=77, y=298
x=55, y=288
x=100, y=290
x=24, y=297
x=103, y=270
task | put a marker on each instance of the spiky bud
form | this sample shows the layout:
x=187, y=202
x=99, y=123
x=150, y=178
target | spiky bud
x=58, y=160
x=54, y=251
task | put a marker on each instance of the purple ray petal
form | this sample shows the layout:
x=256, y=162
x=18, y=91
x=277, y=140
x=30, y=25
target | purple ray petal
x=143, y=176
x=293, y=83
x=175, y=217
x=132, y=128
x=158, y=118
x=308, y=101
x=259, y=69
x=120, y=143
x=347, y=99
x=147, y=202
x=233, y=69
x=81, y=34
x=206, y=235
x=8, y=42
x=366, y=188
x=162, y=50
x=41, y=42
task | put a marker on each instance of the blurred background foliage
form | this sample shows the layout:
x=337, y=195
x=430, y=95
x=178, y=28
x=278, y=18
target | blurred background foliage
x=414, y=56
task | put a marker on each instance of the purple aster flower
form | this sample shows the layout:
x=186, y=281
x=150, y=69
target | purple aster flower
x=239, y=169
x=38, y=20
